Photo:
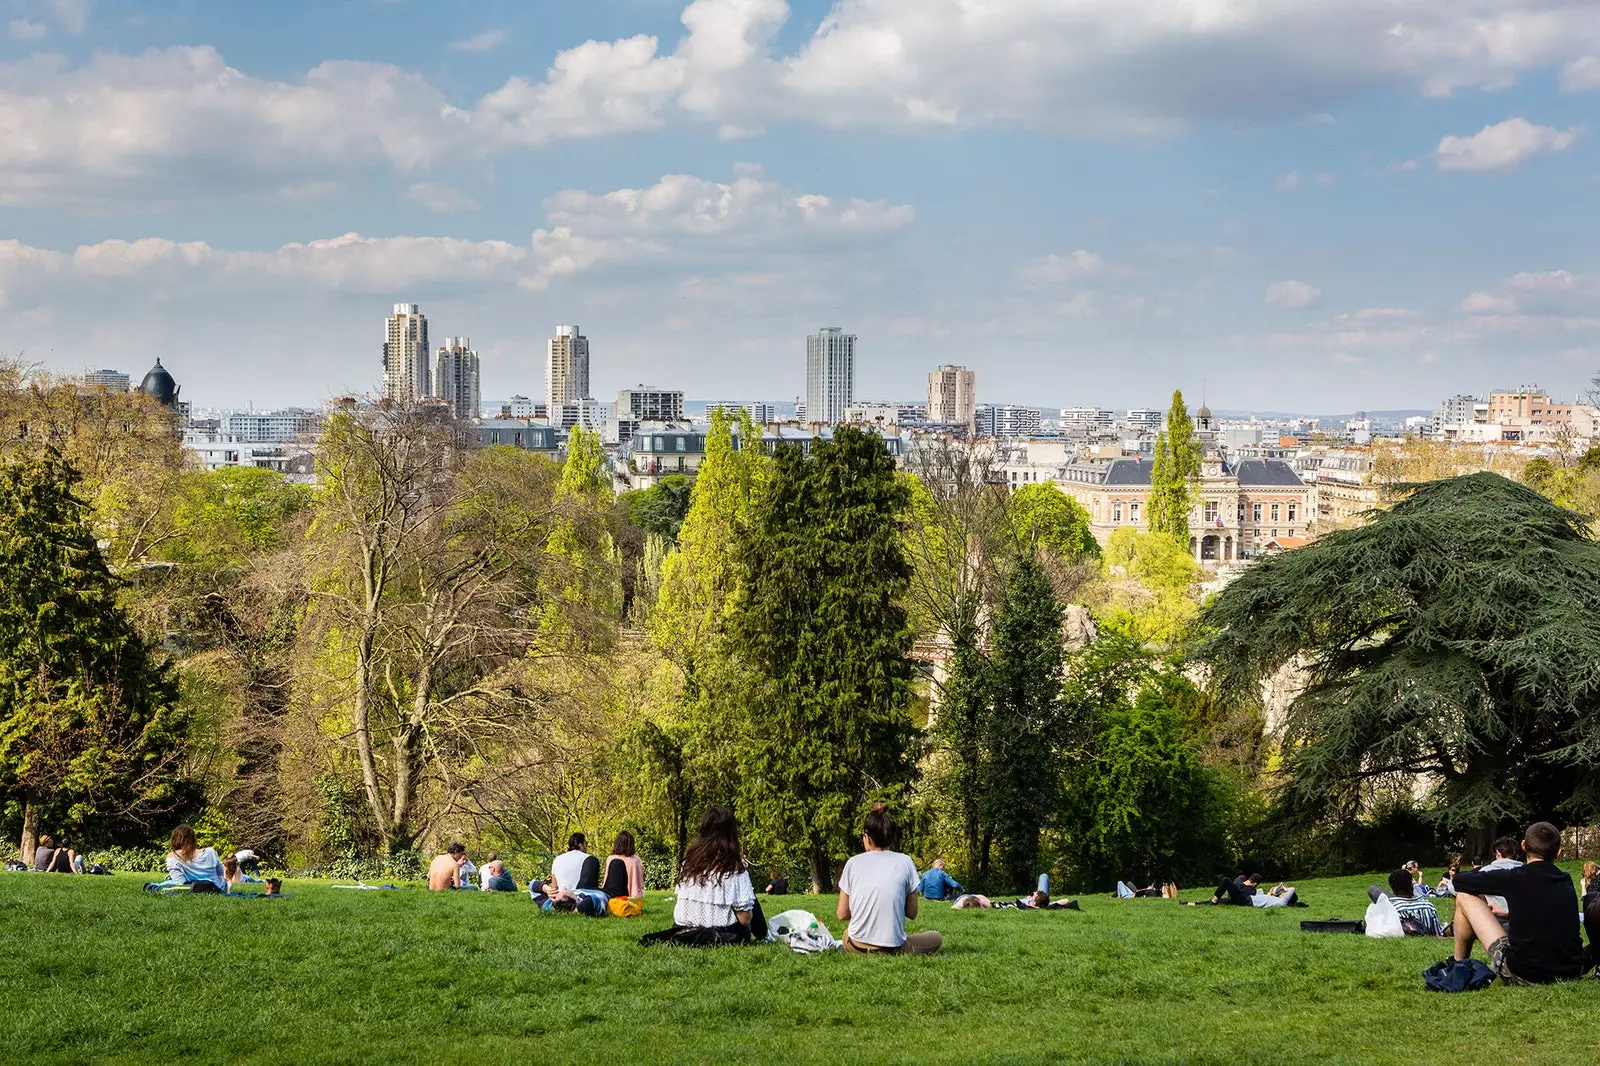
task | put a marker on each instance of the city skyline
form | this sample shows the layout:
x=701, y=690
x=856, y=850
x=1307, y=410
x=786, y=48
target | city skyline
x=1394, y=205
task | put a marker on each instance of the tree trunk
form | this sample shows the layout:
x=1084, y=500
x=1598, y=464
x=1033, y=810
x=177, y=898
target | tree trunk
x=361, y=721
x=1480, y=841
x=30, y=829
x=821, y=871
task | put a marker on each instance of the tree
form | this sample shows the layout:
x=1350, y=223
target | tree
x=660, y=509
x=1045, y=517
x=1023, y=778
x=91, y=733
x=1174, y=474
x=820, y=628
x=1455, y=639
x=1150, y=585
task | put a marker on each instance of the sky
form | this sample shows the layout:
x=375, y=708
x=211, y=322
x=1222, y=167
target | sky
x=1312, y=205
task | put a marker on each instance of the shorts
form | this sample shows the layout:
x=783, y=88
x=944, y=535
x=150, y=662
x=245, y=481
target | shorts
x=1502, y=968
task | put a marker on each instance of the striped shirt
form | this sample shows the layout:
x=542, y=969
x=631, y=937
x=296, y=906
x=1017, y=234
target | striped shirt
x=1420, y=911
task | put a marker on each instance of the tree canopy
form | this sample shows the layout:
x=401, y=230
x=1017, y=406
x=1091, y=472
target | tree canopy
x=1175, y=473
x=1456, y=636
x=1045, y=517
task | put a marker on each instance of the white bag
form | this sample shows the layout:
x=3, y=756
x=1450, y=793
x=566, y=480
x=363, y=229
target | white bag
x=794, y=921
x=1383, y=920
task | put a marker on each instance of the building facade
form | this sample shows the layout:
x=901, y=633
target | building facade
x=566, y=368
x=1011, y=421
x=647, y=403
x=1239, y=509
x=953, y=396
x=290, y=423
x=455, y=376
x=830, y=374
x=110, y=380
x=406, y=373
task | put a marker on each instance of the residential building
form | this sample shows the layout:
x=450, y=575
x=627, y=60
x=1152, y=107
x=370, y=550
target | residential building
x=515, y=433
x=1240, y=506
x=522, y=407
x=760, y=413
x=289, y=423
x=455, y=376
x=1145, y=418
x=658, y=451
x=983, y=421
x=647, y=403
x=1456, y=410
x=566, y=369
x=830, y=375
x=1080, y=420
x=1343, y=486
x=405, y=355
x=953, y=396
x=215, y=449
x=1011, y=421
x=589, y=413
x=110, y=380
x=1532, y=405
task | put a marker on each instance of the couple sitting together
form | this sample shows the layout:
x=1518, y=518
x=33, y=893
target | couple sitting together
x=717, y=904
x=575, y=883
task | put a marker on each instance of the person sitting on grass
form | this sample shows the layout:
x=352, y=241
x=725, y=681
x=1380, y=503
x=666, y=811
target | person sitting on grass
x=1418, y=916
x=1447, y=883
x=249, y=861
x=50, y=859
x=190, y=864
x=1506, y=851
x=878, y=891
x=1586, y=881
x=1543, y=944
x=575, y=868
x=936, y=884
x=495, y=877
x=777, y=884
x=235, y=875
x=1419, y=885
x=444, y=873
x=716, y=902
x=624, y=870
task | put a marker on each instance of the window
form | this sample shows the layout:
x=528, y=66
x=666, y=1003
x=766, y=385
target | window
x=1133, y=512
x=661, y=444
x=1275, y=516
x=1255, y=512
x=1294, y=509
x=1116, y=512
x=682, y=443
x=1212, y=512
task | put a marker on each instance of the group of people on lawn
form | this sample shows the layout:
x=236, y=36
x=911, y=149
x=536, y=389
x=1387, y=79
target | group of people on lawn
x=1521, y=912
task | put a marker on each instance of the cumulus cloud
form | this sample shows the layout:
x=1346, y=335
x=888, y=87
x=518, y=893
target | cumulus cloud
x=441, y=198
x=1581, y=75
x=1288, y=182
x=487, y=41
x=1054, y=269
x=1502, y=146
x=23, y=30
x=73, y=15
x=118, y=124
x=1293, y=295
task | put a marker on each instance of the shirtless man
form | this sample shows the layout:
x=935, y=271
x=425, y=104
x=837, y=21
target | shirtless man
x=445, y=871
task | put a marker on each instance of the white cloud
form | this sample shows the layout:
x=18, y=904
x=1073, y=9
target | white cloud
x=1293, y=295
x=1054, y=269
x=441, y=198
x=487, y=41
x=1288, y=182
x=1581, y=75
x=23, y=30
x=1499, y=147
x=1378, y=314
x=1484, y=303
x=72, y=14
x=177, y=121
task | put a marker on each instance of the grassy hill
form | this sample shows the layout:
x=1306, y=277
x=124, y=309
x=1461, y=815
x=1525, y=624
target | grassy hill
x=94, y=970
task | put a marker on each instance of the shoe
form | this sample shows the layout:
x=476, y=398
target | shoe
x=1072, y=905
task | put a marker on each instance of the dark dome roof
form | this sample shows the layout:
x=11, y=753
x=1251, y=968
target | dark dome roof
x=158, y=383
x=1203, y=413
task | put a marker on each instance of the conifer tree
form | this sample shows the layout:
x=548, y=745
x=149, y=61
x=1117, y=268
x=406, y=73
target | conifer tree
x=1024, y=765
x=90, y=728
x=820, y=627
x=1174, y=473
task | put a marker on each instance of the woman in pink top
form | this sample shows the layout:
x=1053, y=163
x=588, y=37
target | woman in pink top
x=624, y=872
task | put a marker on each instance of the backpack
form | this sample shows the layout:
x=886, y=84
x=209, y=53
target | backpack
x=16, y=866
x=1457, y=975
x=625, y=907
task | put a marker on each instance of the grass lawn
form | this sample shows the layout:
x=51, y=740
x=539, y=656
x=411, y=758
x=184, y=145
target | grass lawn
x=94, y=970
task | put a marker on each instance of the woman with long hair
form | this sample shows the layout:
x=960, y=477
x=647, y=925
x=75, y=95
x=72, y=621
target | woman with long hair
x=716, y=902
x=878, y=891
x=624, y=881
x=190, y=864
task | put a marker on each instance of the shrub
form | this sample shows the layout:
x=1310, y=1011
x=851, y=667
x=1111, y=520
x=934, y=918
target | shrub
x=131, y=860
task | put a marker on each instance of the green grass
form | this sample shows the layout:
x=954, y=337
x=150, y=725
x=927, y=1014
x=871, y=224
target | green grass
x=94, y=970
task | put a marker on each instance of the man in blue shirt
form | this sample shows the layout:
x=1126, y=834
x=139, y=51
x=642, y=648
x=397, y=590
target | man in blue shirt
x=936, y=884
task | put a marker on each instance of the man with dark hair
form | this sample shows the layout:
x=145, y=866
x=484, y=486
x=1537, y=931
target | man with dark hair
x=1417, y=915
x=444, y=872
x=575, y=868
x=1507, y=856
x=1543, y=944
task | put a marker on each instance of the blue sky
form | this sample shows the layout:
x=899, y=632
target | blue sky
x=1319, y=205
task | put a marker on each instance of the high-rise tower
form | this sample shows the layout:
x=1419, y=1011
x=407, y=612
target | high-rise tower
x=830, y=374
x=455, y=376
x=405, y=355
x=566, y=369
x=953, y=396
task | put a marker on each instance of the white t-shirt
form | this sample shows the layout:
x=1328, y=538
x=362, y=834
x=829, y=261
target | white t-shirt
x=711, y=904
x=878, y=883
x=1499, y=864
x=567, y=868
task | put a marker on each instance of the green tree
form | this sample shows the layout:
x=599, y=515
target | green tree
x=91, y=732
x=660, y=509
x=1022, y=786
x=1150, y=584
x=1045, y=517
x=1454, y=638
x=961, y=726
x=820, y=627
x=1174, y=473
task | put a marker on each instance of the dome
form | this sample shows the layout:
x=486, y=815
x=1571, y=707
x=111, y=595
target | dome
x=159, y=384
x=1204, y=414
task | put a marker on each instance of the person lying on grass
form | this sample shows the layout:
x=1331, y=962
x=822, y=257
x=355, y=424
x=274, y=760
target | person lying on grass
x=972, y=901
x=444, y=873
x=1418, y=916
x=1125, y=890
x=716, y=901
x=878, y=891
x=1543, y=943
x=1039, y=900
x=1245, y=891
x=189, y=864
